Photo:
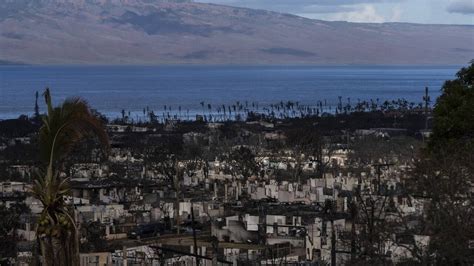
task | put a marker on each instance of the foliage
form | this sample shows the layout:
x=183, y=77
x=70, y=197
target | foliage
x=9, y=222
x=241, y=162
x=446, y=179
x=63, y=127
x=444, y=173
x=369, y=150
x=94, y=234
x=16, y=128
x=454, y=111
x=66, y=125
x=308, y=142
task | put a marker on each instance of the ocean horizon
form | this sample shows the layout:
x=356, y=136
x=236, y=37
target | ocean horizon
x=189, y=89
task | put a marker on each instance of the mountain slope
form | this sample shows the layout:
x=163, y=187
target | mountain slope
x=158, y=32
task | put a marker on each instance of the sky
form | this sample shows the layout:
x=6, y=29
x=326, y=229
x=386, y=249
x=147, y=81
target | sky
x=376, y=11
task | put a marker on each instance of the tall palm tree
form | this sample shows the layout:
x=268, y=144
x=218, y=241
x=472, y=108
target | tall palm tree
x=63, y=126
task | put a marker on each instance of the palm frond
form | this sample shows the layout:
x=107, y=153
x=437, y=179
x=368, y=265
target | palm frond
x=65, y=126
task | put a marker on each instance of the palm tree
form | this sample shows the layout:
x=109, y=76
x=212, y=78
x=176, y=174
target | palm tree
x=63, y=126
x=36, y=106
x=202, y=105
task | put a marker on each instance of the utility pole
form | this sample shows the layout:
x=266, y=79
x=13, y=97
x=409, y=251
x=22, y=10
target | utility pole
x=37, y=114
x=353, y=211
x=215, y=246
x=333, y=242
x=194, y=233
x=124, y=256
x=378, y=168
x=427, y=100
x=262, y=227
x=330, y=214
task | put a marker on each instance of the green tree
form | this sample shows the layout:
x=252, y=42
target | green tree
x=444, y=175
x=454, y=112
x=445, y=181
x=63, y=127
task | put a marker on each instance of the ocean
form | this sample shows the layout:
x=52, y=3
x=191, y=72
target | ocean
x=189, y=90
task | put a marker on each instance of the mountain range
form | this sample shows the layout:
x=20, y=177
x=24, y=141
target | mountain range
x=186, y=32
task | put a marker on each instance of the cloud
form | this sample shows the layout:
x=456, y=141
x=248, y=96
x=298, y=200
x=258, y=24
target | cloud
x=299, y=2
x=465, y=7
x=300, y=6
x=367, y=13
x=322, y=9
x=343, y=10
x=396, y=14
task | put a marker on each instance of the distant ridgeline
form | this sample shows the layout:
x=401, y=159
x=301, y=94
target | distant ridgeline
x=8, y=6
x=12, y=3
x=137, y=32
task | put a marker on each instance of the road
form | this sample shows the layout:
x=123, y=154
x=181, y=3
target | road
x=202, y=239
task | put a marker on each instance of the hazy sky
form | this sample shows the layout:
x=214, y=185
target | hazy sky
x=418, y=11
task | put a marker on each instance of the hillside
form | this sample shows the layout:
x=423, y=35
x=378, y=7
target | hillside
x=160, y=32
